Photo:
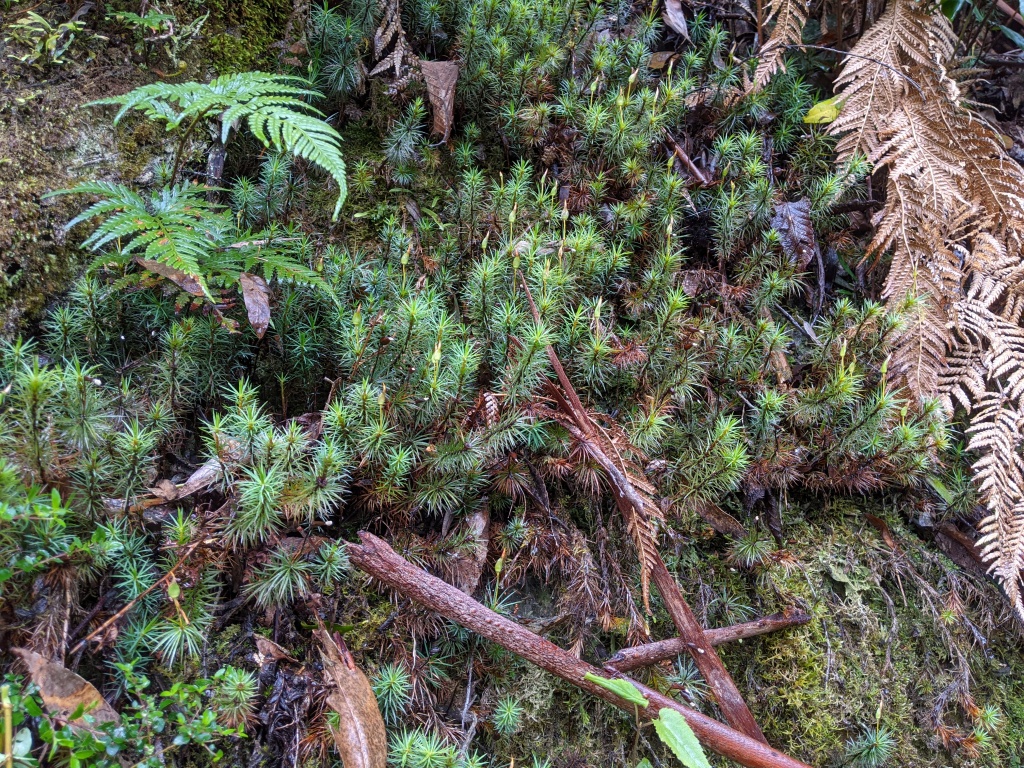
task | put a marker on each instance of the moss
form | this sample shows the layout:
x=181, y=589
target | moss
x=894, y=639
x=48, y=142
x=239, y=36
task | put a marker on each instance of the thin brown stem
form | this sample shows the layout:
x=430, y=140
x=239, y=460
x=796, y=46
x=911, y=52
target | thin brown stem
x=131, y=603
x=704, y=655
x=684, y=158
x=651, y=653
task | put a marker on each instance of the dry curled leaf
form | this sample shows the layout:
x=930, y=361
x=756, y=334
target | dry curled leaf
x=267, y=650
x=793, y=223
x=441, y=77
x=65, y=693
x=188, y=283
x=256, y=294
x=360, y=736
x=674, y=17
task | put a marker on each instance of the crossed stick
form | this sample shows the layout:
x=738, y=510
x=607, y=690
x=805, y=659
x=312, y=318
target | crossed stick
x=374, y=557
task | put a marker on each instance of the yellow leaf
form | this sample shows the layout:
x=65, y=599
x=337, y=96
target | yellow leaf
x=824, y=111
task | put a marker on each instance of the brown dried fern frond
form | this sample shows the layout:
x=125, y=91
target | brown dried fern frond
x=995, y=434
x=789, y=16
x=925, y=282
x=953, y=220
x=872, y=81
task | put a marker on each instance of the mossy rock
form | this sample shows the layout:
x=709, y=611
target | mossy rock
x=50, y=141
x=240, y=36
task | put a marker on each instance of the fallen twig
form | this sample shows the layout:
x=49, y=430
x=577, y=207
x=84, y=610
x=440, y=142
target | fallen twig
x=651, y=653
x=684, y=158
x=708, y=662
x=374, y=557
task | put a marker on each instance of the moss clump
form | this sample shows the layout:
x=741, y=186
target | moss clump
x=900, y=638
x=240, y=35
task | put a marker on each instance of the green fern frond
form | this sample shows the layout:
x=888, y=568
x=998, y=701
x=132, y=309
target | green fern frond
x=177, y=226
x=274, y=107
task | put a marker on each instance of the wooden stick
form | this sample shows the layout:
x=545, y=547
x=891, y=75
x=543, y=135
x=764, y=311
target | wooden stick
x=708, y=662
x=684, y=158
x=633, y=509
x=651, y=653
x=376, y=558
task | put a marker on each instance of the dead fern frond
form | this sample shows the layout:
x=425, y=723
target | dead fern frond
x=954, y=213
x=872, y=81
x=789, y=16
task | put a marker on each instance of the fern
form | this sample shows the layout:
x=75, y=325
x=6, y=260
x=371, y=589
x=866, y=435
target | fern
x=274, y=107
x=178, y=234
x=790, y=17
x=176, y=227
x=953, y=213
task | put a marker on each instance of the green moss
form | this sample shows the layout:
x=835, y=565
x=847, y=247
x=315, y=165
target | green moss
x=239, y=36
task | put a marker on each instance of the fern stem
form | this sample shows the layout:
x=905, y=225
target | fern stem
x=180, y=150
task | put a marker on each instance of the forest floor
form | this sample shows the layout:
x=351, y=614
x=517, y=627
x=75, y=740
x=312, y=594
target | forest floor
x=906, y=633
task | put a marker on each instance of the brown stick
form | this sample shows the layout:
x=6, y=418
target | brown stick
x=377, y=559
x=651, y=653
x=131, y=603
x=684, y=158
x=633, y=508
x=704, y=655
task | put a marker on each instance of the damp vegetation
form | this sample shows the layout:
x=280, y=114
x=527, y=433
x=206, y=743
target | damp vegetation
x=552, y=383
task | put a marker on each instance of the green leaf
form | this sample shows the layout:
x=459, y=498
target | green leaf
x=950, y=8
x=22, y=745
x=676, y=734
x=173, y=590
x=824, y=111
x=1015, y=37
x=940, y=488
x=274, y=107
x=621, y=688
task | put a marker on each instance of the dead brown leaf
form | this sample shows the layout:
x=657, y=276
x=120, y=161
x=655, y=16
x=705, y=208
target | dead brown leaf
x=64, y=692
x=268, y=650
x=256, y=294
x=188, y=283
x=441, y=77
x=674, y=17
x=468, y=567
x=360, y=736
x=720, y=520
x=661, y=59
x=165, y=490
